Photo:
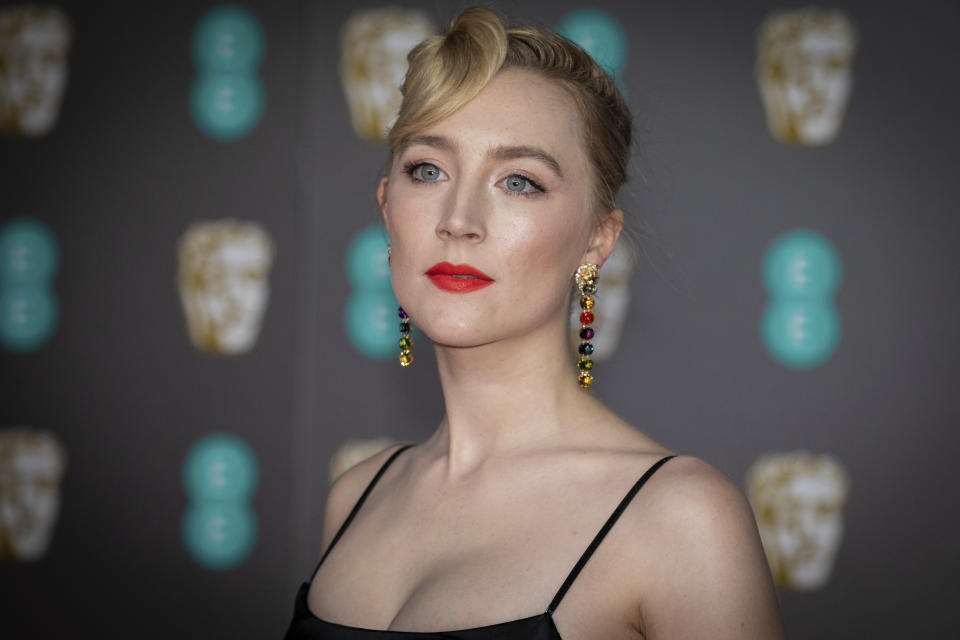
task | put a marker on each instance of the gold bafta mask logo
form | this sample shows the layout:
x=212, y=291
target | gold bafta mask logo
x=224, y=266
x=34, y=42
x=374, y=44
x=798, y=500
x=353, y=452
x=804, y=69
x=32, y=463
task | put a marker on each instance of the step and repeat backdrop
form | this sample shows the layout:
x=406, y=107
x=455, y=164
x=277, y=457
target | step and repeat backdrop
x=198, y=333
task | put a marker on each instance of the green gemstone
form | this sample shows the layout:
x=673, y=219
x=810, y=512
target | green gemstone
x=405, y=342
x=585, y=364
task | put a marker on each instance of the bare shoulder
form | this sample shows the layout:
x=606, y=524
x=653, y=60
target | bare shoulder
x=708, y=576
x=690, y=502
x=691, y=491
x=348, y=488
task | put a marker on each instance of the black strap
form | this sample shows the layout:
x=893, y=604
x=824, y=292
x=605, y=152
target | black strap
x=602, y=534
x=356, y=507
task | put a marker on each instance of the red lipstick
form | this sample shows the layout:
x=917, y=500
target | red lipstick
x=461, y=278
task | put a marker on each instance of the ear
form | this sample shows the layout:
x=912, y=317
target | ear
x=604, y=238
x=382, y=201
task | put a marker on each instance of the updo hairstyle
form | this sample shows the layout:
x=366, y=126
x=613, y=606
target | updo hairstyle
x=447, y=71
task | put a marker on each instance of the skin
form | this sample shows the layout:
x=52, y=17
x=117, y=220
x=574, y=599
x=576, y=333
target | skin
x=481, y=523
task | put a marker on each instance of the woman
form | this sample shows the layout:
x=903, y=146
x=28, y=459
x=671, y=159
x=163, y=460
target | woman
x=506, y=156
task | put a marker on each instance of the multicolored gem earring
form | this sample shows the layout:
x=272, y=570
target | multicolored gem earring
x=405, y=342
x=587, y=277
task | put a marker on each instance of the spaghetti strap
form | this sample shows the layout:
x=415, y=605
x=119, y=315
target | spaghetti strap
x=356, y=507
x=602, y=534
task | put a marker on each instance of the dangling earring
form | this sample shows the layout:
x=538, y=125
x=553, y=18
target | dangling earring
x=406, y=358
x=586, y=276
x=406, y=342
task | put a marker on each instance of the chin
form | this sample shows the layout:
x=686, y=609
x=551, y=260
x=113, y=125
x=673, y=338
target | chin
x=454, y=333
x=448, y=318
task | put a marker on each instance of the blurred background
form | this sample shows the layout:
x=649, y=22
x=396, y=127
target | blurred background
x=195, y=315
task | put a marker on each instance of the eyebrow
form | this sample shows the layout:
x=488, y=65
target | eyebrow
x=502, y=152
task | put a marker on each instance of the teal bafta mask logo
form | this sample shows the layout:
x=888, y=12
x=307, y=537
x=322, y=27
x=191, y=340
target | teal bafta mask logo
x=219, y=527
x=370, y=315
x=29, y=258
x=801, y=272
x=28, y=316
x=368, y=267
x=219, y=535
x=226, y=105
x=220, y=467
x=227, y=98
x=599, y=34
x=228, y=38
x=28, y=252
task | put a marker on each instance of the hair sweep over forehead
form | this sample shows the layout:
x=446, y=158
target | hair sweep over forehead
x=447, y=71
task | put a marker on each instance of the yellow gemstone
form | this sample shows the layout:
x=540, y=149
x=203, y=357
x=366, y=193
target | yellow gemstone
x=586, y=302
x=406, y=358
x=585, y=379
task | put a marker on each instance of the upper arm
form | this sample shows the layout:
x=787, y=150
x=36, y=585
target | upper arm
x=346, y=490
x=711, y=577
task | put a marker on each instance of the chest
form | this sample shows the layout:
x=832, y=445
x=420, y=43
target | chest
x=442, y=562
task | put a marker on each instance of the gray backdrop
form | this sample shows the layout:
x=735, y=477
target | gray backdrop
x=126, y=170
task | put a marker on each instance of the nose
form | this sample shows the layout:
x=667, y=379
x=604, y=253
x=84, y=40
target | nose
x=464, y=217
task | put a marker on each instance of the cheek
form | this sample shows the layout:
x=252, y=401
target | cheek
x=411, y=235
x=563, y=231
x=544, y=244
x=541, y=253
x=410, y=215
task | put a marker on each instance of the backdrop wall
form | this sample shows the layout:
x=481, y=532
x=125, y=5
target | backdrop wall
x=126, y=170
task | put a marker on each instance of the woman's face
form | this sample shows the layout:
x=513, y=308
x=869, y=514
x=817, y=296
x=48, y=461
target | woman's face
x=503, y=185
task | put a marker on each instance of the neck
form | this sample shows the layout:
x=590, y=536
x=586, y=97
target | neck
x=507, y=396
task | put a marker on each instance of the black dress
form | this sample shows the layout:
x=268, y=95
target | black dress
x=306, y=626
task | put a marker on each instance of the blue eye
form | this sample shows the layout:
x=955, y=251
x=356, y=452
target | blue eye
x=519, y=184
x=423, y=172
x=428, y=173
x=516, y=184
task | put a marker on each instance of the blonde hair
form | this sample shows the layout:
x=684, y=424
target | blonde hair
x=447, y=71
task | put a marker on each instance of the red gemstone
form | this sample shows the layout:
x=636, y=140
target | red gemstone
x=586, y=317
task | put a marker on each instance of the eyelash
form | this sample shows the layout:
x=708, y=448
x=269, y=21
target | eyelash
x=410, y=167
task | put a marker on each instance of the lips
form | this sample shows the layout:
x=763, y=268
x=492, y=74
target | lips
x=461, y=278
